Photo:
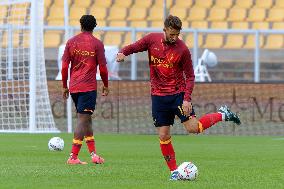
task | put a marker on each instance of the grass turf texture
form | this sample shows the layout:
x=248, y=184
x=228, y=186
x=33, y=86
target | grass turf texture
x=135, y=161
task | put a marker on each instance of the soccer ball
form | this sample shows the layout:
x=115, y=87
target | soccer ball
x=56, y=144
x=187, y=171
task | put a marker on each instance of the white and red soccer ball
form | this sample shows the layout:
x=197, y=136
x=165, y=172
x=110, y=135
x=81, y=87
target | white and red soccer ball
x=187, y=171
x=56, y=144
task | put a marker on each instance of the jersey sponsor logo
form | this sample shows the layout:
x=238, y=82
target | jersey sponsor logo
x=83, y=53
x=161, y=62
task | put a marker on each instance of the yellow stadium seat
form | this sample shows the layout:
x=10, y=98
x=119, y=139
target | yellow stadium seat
x=185, y=24
x=3, y=13
x=250, y=42
x=118, y=23
x=18, y=13
x=204, y=3
x=52, y=39
x=15, y=37
x=264, y=3
x=237, y=14
x=279, y=4
x=260, y=25
x=189, y=40
x=244, y=3
x=101, y=23
x=80, y=3
x=274, y=42
x=60, y=3
x=197, y=14
x=157, y=23
x=256, y=15
x=178, y=11
x=278, y=25
x=275, y=15
x=137, y=14
x=113, y=38
x=47, y=3
x=100, y=13
x=124, y=3
x=143, y=4
x=214, y=41
x=56, y=15
x=160, y=3
x=234, y=41
x=217, y=14
x=117, y=13
x=183, y=3
x=139, y=24
x=199, y=24
x=102, y=3
x=156, y=14
x=240, y=25
x=99, y=34
x=128, y=38
x=224, y=4
x=219, y=25
x=75, y=15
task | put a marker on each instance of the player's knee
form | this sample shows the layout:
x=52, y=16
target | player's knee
x=164, y=137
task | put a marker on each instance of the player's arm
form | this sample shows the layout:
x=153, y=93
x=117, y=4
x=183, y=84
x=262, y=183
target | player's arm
x=139, y=46
x=189, y=81
x=101, y=59
x=64, y=71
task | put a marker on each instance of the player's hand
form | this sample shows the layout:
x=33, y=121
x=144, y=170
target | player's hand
x=187, y=107
x=65, y=93
x=105, y=91
x=120, y=57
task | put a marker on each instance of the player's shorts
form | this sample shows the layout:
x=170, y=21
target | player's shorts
x=85, y=102
x=165, y=108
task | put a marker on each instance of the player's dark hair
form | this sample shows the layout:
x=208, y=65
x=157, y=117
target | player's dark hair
x=173, y=22
x=88, y=22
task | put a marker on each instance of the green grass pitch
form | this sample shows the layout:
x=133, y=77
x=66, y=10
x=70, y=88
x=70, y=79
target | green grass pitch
x=135, y=161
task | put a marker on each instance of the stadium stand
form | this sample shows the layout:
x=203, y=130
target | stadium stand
x=199, y=14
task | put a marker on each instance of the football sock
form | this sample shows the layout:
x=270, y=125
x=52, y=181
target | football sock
x=76, y=146
x=168, y=153
x=90, y=141
x=208, y=120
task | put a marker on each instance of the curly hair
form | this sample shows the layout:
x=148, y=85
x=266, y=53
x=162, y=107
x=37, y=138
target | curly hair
x=88, y=22
x=173, y=22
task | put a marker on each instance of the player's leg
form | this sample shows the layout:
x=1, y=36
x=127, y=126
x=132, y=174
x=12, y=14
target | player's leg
x=77, y=140
x=193, y=125
x=78, y=137
x=163, y=117
x=86, y=106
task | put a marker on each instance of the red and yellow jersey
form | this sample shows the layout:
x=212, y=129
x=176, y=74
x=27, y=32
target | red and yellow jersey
x=84, y=52
x=171, y=69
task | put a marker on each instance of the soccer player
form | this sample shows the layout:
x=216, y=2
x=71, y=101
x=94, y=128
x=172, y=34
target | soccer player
x=85, y=53
x=172, y=82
